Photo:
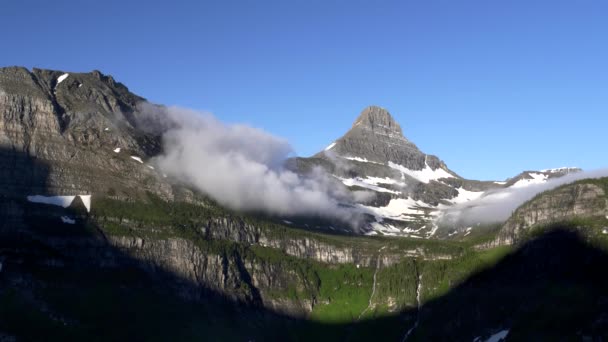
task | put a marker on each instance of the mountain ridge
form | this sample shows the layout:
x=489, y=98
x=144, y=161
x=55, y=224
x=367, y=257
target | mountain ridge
x=98, y=215
x=88, y=125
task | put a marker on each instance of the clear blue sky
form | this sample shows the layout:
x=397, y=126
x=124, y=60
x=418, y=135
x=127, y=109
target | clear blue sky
x=491, y=87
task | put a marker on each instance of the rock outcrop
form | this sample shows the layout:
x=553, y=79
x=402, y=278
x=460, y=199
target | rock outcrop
x=583, y=199
x=82, y=126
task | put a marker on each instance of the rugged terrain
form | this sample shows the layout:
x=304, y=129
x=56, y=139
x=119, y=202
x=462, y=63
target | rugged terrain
x=411, y=187
x=96, y=243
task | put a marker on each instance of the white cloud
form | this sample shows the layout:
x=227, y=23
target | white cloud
x=242, y=167
x=497, y=206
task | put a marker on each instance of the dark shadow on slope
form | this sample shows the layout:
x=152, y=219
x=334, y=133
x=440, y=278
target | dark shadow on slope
x=61, y=279
x=554, y=287
x=64, y=281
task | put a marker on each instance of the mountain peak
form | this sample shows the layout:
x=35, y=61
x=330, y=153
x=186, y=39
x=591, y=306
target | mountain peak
x=378, y=119
x=376, y=137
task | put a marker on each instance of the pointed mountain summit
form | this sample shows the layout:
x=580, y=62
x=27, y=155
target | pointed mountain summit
x=377, y=137
x=378, y=119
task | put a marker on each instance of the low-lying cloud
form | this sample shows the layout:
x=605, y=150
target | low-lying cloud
x=242, y=167
x=498, y=205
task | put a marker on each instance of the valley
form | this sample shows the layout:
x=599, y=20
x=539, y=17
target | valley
x=98, y=243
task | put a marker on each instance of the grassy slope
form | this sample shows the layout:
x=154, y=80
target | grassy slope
x=342, y=292
x=86, y=302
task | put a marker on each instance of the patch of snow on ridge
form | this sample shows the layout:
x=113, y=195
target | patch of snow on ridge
x=465, y=196
x=137, y=159
x=86, y=200
x=288, y=222
x=117, y=150
x=370, y=183
x=61, y=201
x=537, y=178
x=62, y=78
x=398, y=209
x=425, y=175
x=362, y=160
x=500, y=183
x=330, y=146
x=560, y=169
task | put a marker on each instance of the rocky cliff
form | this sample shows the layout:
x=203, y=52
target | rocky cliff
x=583, y=199
x=83, y=126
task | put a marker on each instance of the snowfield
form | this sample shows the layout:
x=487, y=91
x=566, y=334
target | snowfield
x=137, y=159
x=425, y=175
x=330, y=146
x=61, y=201
x=62, y=78
x=465, y=196
x=537, y=178
x=362, y=160
x=398, y=209
x=370, y=183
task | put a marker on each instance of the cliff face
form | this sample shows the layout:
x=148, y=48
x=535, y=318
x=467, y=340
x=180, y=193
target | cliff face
x=77, y=134
x=585, y=199
x=82, y=126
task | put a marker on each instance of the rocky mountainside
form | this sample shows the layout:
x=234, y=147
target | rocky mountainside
x=83, y=125
x=77, y=192
x=410, y=188
x=585, y=200
x=538, y=177
x=88, y=224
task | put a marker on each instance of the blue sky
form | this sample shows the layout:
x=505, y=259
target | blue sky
x=491, y=87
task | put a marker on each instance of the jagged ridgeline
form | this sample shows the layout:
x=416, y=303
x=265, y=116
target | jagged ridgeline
x=96, y=244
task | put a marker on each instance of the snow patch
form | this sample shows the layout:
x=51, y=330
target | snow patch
x=106, y=129
x=117, y=150
x=425, y=175
x=150, y=167
x=288, y=222
x=537, y=178
x=86, y=200
x=465, y=196
x=362, y=160
x=500, y=183
x=398, y=209
x=61, y=201
x=330, y=146
x=370, y=183
x=560, y=170
x=137, y=159
x=433, y=231
x=62, y=78
x=68, y=220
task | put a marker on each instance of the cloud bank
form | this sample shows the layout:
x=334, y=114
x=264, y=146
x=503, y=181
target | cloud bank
x=498, y=205
x=242, y=167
